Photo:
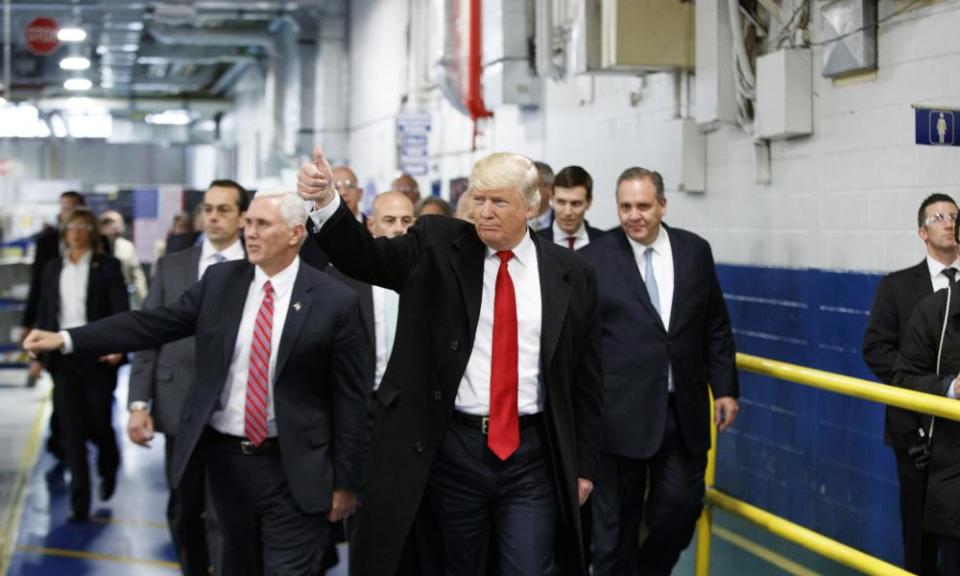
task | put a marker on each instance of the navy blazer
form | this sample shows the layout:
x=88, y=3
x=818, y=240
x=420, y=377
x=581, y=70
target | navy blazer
x=321, y=378
x=638, y=348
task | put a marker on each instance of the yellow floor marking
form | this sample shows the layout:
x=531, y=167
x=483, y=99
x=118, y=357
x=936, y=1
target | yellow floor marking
x=128, y=522
x=84, y=555
x=18, y=495
x=762, y=552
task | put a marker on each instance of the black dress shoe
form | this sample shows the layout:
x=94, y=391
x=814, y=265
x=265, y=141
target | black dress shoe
x=76, y=517
x=54, y=448
x=107, y=487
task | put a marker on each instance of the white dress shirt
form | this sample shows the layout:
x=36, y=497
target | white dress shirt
x=228, y=416
x=936, y=272
x=208, y=255
x=560, y=237
x=383, y=331
x=662, y=263
x=473, y=396
x=73, y=291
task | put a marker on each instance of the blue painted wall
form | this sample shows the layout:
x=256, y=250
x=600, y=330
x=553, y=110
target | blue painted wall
x=813, y=457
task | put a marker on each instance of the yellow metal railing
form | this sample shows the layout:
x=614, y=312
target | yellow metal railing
x=848, y=386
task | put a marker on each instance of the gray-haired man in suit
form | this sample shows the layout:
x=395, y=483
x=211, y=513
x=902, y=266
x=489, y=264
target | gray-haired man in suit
x=157, y=407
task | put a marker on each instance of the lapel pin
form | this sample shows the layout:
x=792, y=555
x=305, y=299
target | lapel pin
x=296, y=306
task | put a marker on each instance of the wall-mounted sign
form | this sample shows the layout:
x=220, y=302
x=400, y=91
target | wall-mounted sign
x=937, y=126
x=40, y=36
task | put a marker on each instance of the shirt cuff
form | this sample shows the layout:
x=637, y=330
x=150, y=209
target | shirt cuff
x=67, y=342
x=950, y=393
x=319, y=216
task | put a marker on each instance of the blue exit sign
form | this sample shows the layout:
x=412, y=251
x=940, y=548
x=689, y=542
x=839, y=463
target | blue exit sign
x=938, y=126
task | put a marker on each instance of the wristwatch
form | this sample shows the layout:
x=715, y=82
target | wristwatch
x=139, y=405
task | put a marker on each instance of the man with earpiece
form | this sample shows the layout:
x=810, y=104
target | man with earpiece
x=929, y=361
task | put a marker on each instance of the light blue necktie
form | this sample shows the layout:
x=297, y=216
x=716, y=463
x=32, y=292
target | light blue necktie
x=650, y=279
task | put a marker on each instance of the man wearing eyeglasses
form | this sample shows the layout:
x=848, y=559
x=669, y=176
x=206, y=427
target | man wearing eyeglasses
x=897, y=296
x=350, y=191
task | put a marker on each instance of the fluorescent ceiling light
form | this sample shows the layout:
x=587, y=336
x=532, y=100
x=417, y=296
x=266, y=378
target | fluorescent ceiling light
x=71, y=35
x=75, y=63
x=78, y=84
x=170, y=118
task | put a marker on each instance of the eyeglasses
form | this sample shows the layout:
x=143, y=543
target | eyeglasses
x=79, y=226
x=940, y=218
x=345, y=184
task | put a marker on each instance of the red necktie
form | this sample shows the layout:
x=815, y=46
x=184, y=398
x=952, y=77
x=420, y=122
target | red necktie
x=504, y=434
x=571, y=240
x=258, y=375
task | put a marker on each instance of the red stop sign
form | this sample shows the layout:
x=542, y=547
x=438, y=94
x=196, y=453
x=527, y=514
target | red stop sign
x=41, y=35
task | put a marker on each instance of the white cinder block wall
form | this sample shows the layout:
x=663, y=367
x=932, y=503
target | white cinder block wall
x=843, y=199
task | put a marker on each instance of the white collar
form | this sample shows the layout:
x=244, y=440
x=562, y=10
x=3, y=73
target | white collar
x=936, y=267
x=559, y=234
x=660, y=245
x=84, y=260
x=282, y=281
x=525, y=252
x=231, y=252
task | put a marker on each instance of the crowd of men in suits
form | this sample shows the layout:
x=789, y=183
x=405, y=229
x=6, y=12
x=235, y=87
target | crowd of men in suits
x=514, y=392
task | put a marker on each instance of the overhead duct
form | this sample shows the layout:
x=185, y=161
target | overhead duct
x=279, y=42
x=850, y=37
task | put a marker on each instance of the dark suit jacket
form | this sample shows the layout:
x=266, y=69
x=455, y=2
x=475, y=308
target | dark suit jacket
x=319, y=392
x=163, y=375
x=437, y=267
x=47, y=249
x=916, y=368
x=897, y=295
x=106, y=295
x=592, y=233
x=638, y=348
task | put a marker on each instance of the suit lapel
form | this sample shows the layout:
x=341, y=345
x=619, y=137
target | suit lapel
x=300, y=301
x=680, y=276
x=467, y=263
x=93, y=281
x=922, y=284
x=628, y=266
x=233, y=304
x=555, y=296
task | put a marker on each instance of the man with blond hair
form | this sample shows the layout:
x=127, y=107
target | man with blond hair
x=488, y=433
x=277, y=410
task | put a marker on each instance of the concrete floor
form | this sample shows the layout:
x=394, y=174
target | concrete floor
x=128, y=535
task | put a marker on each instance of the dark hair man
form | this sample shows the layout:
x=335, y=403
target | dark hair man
x=666, y=338
x=160, y=378
x=572, y=196
x=897, y=296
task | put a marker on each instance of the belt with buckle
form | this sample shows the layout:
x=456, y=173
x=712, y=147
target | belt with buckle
x=242, y=444
x=482, y=423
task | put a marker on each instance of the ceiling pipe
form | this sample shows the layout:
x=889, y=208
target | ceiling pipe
x=475, y=68
x=194, y=37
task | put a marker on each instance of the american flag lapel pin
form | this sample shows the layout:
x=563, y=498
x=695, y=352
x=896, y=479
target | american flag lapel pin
x=296, y=306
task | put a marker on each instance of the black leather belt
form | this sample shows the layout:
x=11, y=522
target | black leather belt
x=482, y=423
x=243, y=445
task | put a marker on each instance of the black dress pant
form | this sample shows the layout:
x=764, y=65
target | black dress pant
x=494, y=516
x=919, y=546
x=949, y=555
x=190, y=528
x=664, y=493
x=263, y=528
x=83, y=398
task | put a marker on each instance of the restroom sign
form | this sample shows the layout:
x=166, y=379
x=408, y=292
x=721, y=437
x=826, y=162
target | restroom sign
x=937, y=126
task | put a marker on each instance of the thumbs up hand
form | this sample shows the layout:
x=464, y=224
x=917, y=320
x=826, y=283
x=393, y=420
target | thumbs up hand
x=315, y=180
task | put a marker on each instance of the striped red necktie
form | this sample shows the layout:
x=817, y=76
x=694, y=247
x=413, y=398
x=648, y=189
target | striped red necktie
x=258, y=375
x=503, y=437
